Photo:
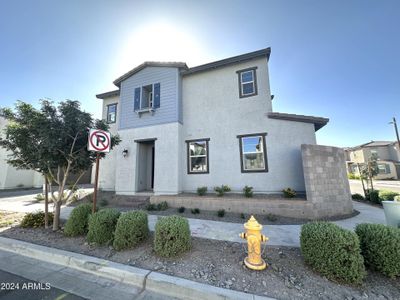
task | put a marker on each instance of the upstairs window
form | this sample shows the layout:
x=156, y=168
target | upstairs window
x=253, y=153
x=147, y=97
x=197, y=156
x=112, y=113
x=247, y=82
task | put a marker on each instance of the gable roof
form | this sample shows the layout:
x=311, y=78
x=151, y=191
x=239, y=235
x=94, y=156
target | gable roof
x=229, y=61
x=372, y=144
x=317, y=121
x=107, y=94
x=179, y=65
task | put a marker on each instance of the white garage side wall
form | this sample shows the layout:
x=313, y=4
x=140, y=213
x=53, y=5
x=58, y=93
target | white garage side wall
x=107, y=165
x=212, y=109
x=166, y=165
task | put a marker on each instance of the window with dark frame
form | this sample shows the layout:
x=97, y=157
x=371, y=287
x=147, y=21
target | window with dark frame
x=197, y=156
x=112, y=113
x=253, y=153
x=247, y=82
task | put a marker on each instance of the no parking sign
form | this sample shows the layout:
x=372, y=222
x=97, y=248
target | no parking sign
x=99, y=141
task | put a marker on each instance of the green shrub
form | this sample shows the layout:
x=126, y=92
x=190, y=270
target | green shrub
x=221, y=213
x=397, y=198
x=172, y=236
x=248, y=191
x=373, y=196
x=289, y=193
x=132, y=228
x=181, y=209
x=195, y=211
x=242, y=216
x=151, y=207
x=35, y=219
x=201, y=191
x=221, y=190
x=387, y=195
x=77, y=223
x=357, y=196
x=332, y=251
x=380, y=246
x=102, y=226
x=353, y=176
x=162, y=206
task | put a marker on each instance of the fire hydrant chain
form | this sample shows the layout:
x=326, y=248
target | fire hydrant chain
x=254, y=239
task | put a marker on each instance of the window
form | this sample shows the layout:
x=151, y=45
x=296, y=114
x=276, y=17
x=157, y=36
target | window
x=383, y=169
x=253, y=153
x=147, y=97
x=197, y=159
x=247, y=82
x=112, y=113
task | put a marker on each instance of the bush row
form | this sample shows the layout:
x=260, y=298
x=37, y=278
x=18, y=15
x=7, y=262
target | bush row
x=109, y=227
x=340, y=254
x=376, y=196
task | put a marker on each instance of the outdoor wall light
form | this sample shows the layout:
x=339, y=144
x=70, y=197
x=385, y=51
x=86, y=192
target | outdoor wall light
x=125, y=152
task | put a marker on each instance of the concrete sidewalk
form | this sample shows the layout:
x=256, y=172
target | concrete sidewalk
x=279, y=235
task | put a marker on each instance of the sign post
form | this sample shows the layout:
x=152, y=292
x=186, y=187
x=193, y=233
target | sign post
x=99, y=142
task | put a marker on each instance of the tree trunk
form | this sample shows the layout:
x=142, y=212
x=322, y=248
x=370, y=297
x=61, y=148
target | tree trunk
x=56, y=219
x=362, y=180
x=46, y=203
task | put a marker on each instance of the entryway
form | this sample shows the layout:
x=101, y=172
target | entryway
x=145, y=166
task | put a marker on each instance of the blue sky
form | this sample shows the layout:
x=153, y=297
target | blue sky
x=338, y=59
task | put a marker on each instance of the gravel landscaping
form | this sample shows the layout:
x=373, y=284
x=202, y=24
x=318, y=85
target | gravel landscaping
x=220, y=264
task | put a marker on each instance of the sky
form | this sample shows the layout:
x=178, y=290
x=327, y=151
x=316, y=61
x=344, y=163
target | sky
x=338, y=59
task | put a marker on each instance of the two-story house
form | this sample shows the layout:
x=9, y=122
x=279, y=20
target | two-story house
x=183, y=128
x=386, y=152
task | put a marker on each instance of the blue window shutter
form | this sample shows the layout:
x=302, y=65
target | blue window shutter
x=137, y=99
x=156, y=95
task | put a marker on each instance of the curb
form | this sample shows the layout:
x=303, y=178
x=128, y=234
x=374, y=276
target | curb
x=149, y=280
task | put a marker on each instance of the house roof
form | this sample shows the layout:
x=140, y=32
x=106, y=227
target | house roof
x=228, y=61
x=118, y=81
x=107, y=94
x=318, y=122
x=372, y=144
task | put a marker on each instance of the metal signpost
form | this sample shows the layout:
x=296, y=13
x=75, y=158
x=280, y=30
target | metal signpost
x=99, y=142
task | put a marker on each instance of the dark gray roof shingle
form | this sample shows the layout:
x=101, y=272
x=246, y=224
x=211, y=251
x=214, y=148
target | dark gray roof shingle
x=107, y=94
x=318, y=122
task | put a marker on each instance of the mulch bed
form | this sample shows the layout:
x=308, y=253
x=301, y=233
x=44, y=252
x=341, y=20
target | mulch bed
x=220, y=264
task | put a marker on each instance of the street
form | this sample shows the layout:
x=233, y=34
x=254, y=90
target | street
x=13, y=287
x=391, y=185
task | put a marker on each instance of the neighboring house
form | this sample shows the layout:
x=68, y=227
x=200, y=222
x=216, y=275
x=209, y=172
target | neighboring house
x=183, y=128
x=11, y=177
x=386, y=152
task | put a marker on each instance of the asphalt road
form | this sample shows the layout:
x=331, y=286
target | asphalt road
x=13, y=287
x=356, y=187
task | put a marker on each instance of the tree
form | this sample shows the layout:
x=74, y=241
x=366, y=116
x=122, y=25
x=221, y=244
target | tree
x=52, y=140
x=368, y=171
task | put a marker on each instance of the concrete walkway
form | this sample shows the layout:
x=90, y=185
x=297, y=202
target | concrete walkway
x=279, y=235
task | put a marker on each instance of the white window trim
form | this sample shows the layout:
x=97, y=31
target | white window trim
x=251, y=152
x=242, y=83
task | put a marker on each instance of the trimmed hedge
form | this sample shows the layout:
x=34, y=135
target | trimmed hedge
x=35, y=219
x=380, y=246
x=332, y=251
x=77, y=223
x=132, y=228
x=373, y=196
x=357, y=196
x=172, y=236
x=102, y=226
x=387, y=195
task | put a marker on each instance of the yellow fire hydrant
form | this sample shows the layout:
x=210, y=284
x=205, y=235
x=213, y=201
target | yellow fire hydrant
x=254, y=239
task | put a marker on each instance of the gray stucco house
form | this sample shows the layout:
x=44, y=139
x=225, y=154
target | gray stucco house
x=213, y=124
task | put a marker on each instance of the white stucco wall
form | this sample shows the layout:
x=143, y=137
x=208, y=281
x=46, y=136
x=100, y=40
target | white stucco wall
x=167, y=159
x=11, y=177
x=212, y=109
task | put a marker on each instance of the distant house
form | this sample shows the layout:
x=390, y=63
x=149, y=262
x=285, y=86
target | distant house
x=387, y=153
x=213, y=124
x=11, y=177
